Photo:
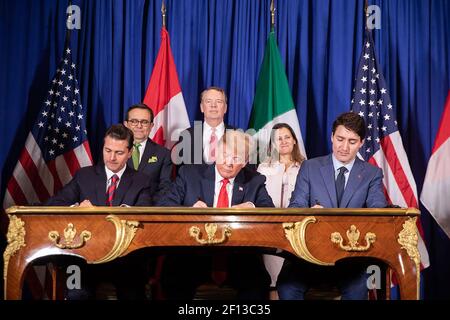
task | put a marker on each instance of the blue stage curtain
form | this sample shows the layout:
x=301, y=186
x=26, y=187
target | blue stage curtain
x=221, y=42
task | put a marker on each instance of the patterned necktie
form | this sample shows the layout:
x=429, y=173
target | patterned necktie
x=111, y=190
x=212, y=145
x=219, y=267
x=136, y=155
x=340, y=184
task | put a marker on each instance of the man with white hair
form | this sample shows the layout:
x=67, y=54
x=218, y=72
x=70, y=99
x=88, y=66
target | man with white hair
x=226, y=183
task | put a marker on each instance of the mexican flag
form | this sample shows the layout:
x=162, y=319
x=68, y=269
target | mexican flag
x=273, y=101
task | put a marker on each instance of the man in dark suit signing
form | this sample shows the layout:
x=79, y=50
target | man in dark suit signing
x=148, y=157
x=226, y=183
x=110, y=183
x=338, y=180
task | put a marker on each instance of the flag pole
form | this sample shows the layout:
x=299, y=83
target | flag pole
x=163, y=12
x=272, y=14
x=366, y=14
x=69, y=15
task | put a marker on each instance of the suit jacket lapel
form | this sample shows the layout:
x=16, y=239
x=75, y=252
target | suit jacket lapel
x=100, y=185
x=144, y=158
x=355, y=178
x=124, y=185
x=208, y=185
x=130, y=163
x=327, y=172
x=145, y=155
x=238, y=189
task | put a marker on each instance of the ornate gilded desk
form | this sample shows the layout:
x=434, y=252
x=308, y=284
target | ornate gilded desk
x=320, y=236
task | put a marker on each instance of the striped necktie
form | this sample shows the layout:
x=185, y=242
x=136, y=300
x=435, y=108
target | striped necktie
x=212, y=145
x=111, y=190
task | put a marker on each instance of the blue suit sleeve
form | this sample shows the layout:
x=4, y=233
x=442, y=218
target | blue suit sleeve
x=301, y=194
x=375, y=194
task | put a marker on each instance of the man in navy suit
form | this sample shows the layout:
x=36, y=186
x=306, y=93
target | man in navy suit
x=339, y=180
x=196, y=145
x=110, y=183
x=227, y=183
x=90, y=184
x=148, y=157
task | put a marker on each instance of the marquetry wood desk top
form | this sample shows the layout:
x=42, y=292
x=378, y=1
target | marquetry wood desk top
x=320, y=236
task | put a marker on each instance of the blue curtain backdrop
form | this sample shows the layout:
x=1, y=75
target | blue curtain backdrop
x=221, y=42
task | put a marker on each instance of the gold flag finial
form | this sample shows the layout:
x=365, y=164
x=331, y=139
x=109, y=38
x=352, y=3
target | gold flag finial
x=272, y=14
x=163, y=12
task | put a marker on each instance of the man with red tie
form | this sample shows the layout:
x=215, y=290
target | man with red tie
x=225, y=183
x=111, y=183
x=198, y=144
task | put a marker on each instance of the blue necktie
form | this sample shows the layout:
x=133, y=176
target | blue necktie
x=340, y=184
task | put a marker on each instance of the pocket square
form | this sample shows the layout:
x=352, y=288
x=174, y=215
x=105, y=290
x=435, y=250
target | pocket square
x=152, y=159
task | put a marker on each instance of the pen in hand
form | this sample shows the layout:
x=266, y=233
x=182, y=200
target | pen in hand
x=317, y=204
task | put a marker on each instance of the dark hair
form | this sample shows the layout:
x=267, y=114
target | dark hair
x=141, y=106
x=296, y=154
x=120, y=132
x=351, y=121
x=214, y=88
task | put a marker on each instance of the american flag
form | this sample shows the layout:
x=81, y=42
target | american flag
x=57, y=145
x=383, y=146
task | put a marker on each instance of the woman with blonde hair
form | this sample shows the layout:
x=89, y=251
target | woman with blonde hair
x=280, y=168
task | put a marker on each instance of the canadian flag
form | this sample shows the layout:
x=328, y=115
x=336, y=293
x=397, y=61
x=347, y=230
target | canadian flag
x=165, y=98
x=436, y=187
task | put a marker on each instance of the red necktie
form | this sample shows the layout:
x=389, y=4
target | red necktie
x=222, y=201
x=111, y=190
x=212, y=145
x=219, y=268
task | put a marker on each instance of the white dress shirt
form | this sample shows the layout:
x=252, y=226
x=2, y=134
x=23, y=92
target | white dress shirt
x=337, y=164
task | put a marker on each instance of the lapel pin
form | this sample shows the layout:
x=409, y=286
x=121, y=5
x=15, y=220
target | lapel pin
x=241, y=189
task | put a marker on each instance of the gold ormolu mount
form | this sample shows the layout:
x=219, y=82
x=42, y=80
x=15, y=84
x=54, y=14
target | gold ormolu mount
x=210, y=229
x=353, y=237
x=69, y=235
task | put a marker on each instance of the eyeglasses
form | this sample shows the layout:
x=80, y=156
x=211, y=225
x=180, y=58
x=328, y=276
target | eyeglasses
x=136, y=122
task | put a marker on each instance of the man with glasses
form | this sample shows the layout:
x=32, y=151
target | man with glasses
x=148, y=157
x=226, y=183
x=153, y=161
